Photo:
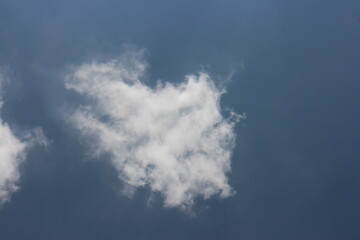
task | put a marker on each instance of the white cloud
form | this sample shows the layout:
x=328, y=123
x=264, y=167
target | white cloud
x=13, y=152
x=11, y=155
x=171, y=138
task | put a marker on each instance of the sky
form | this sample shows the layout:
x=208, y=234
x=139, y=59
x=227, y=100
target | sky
x=230, y=119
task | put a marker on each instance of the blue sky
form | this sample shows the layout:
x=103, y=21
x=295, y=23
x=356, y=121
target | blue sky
x=292, y=67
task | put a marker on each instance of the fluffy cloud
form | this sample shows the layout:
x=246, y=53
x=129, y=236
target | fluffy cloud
x=11, y=155
x=171, y=138
x=13, y=152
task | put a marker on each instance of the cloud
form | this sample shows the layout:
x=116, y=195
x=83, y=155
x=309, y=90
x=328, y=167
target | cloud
x=171, y=138
x=13, y=151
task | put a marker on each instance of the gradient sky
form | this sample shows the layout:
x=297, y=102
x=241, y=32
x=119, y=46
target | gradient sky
x=292, y=66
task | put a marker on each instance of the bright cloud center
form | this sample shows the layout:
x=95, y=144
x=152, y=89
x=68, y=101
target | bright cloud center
x=171, y=138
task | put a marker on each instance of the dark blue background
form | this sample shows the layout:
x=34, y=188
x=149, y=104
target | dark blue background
x=297, y=160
